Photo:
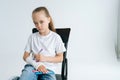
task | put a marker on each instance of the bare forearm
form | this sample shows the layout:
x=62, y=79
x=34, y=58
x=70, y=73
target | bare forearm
x=26, y=54
x=55, y=59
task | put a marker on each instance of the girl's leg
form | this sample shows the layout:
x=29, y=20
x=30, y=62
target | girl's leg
x=47, y=77
x=27, y=73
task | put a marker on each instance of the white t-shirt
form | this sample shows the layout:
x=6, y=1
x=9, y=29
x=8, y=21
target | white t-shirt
x=48, y=45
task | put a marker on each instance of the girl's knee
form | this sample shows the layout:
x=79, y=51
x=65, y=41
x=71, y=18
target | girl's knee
x=27, y=74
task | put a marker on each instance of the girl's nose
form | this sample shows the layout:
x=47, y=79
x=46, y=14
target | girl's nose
x=39, y=26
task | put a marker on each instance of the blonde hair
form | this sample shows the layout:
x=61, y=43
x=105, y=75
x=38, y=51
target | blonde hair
x=51, y=25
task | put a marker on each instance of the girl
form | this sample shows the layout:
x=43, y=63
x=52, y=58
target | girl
x=46, y=48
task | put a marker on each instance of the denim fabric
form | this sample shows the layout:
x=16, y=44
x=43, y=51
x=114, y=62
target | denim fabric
x=27, y=74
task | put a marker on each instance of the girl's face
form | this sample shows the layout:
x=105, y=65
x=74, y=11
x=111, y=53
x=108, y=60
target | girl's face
x=41, y=22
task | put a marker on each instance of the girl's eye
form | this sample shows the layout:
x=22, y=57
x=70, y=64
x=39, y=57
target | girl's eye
x=41, y=22
x=35, y=23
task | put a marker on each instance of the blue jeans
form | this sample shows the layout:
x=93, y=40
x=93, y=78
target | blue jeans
x=27, y=74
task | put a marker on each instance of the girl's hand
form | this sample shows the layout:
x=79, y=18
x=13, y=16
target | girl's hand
x=42, y=68
x=40, y=57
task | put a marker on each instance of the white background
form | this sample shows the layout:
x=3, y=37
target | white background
x=91, y=50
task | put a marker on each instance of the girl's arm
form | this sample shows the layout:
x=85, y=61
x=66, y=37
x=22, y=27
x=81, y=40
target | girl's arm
x=27, y=58
x=38, y=66
x=26, y=54
x=57, y=58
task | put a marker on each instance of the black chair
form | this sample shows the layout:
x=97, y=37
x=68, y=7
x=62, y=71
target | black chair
x=64, y=33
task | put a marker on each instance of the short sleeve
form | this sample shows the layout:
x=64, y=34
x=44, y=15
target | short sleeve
x=28, y=45
x=60, y=48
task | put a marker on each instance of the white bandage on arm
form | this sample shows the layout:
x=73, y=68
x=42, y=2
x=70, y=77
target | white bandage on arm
x=29, y=60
